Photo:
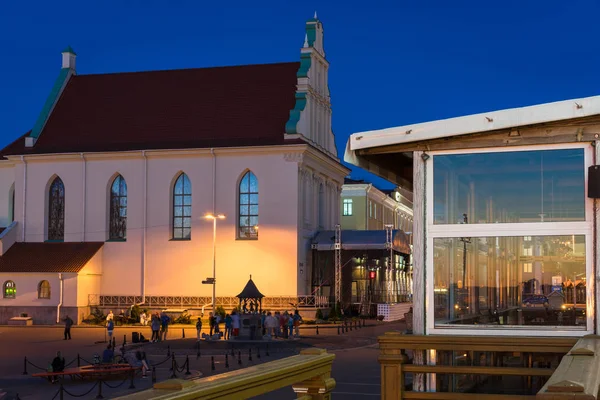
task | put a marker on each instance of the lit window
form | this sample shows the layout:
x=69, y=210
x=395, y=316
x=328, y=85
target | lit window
x=182, y=208
x=248, y=216
x=56, y=210
x=527, y=251
x=118, y=209
x=527, y=267
x=9, y=290
x=347, y=207
x=44, y=290
x=527, y=238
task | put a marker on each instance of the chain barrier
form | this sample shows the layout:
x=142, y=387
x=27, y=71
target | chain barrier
x=81, y=395
x=35, y=366
x=58, y=392
x=116, y=386
x=162, y=362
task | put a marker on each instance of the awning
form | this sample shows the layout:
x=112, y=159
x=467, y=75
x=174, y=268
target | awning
x=362, y=240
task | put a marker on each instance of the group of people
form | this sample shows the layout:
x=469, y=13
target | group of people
x=285, y=325
x=232, y=326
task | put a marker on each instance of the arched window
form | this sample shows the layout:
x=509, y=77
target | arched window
x=118, y=209
x=56, y=210
x=44, y=290
x=248, y=220
x=9, y=290
x=182, y=208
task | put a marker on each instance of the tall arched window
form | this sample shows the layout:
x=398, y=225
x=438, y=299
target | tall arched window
x=9, y=290
x=182, y=208
x=44, y=290
x=118, y=209
x=248, y=217
x=56, y=210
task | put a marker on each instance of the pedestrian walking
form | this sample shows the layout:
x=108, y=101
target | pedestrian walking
x=68, y=325
x=211, y=324
x=164, y=326
x=155, y=326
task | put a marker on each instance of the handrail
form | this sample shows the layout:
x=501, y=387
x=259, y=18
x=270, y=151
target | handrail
x=309, y=374
x=577, y=374
x=395, y=362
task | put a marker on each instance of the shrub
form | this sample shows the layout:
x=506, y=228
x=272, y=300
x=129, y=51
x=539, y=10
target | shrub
x=319, y=314
x=135, y=313
x=184, y=318
x=380, y=317
x=220, y=311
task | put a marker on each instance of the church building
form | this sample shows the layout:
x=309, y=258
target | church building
x=108, y=199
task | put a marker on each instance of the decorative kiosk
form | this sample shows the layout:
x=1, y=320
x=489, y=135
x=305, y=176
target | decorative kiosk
x=250, y=312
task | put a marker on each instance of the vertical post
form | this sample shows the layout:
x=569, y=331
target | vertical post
x=25, y=366
x=212, y=363
x=187, y=364
x=239, y=357
x=131, y=375
x=214, y=291
x=391, y=357
x=153, y=374
x=419, y=256
x=318, y=387
x=595, y=289
x=226, y=360
x=61, y=391
x=99, y=396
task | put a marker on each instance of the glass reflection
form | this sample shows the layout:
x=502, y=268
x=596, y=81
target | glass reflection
x=517, y=186
x=528, y=280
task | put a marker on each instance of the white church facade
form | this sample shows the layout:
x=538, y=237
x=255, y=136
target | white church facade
x=105, y=199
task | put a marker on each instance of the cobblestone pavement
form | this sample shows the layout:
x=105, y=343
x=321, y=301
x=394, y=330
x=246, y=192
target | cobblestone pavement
x=40, y=344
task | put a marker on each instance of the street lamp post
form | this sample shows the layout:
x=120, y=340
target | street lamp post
x=214, y=277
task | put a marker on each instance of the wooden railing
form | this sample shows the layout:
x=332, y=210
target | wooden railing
x=309, y=374
x=578, y=375
x=436, y=370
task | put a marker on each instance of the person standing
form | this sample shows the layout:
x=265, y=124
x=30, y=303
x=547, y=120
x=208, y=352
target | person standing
x=110, y=326
x=155, y=326
x=297, y=320
x=211, y=324
x=110, y=316
x=68, y=325
x=228, y=322
x=198, y=328
x=143, y=318
x=164, y=326
x=235, y=323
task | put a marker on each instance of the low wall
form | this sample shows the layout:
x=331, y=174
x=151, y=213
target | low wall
x=393, y=312
x=43, y=315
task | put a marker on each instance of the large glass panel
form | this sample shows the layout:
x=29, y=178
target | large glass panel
x=525, y=280
x=515, y=186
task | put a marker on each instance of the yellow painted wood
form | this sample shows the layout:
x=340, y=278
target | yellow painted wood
x=311, y=368
x=459, y=396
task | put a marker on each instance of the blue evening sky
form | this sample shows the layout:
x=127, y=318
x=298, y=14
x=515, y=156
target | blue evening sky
x=392, y=62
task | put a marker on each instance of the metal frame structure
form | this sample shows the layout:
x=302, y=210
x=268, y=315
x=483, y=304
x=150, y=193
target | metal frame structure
x=282, y=302
x=338, y=265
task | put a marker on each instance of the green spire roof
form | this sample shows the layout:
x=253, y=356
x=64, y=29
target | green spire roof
x=69, y=49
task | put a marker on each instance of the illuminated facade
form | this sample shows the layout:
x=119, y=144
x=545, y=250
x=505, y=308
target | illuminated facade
x=129, y=164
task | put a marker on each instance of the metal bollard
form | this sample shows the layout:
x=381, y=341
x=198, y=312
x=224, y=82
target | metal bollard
x=226, y=360
x=187, y=363
x=212, y=363
x=62, y=390
x=239, y=358
x=153, y=374
x=317, y=329
x=25, y=366
x=338, y=329
x=350, y=324
x=182, y=333
x=267, y=351
x=198, y=351
x=258, y=353
x=173, y=366
x=250, y=354
x=168, y=351
x=78, y=360
x=99, y=396
x=124, y=340
x=114, y=343
x=131, y=375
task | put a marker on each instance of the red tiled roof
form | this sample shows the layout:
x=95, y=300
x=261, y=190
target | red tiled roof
x=48, y=257
x=191, y=108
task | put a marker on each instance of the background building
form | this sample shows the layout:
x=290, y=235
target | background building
x=127, y=165
x=365, y=207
